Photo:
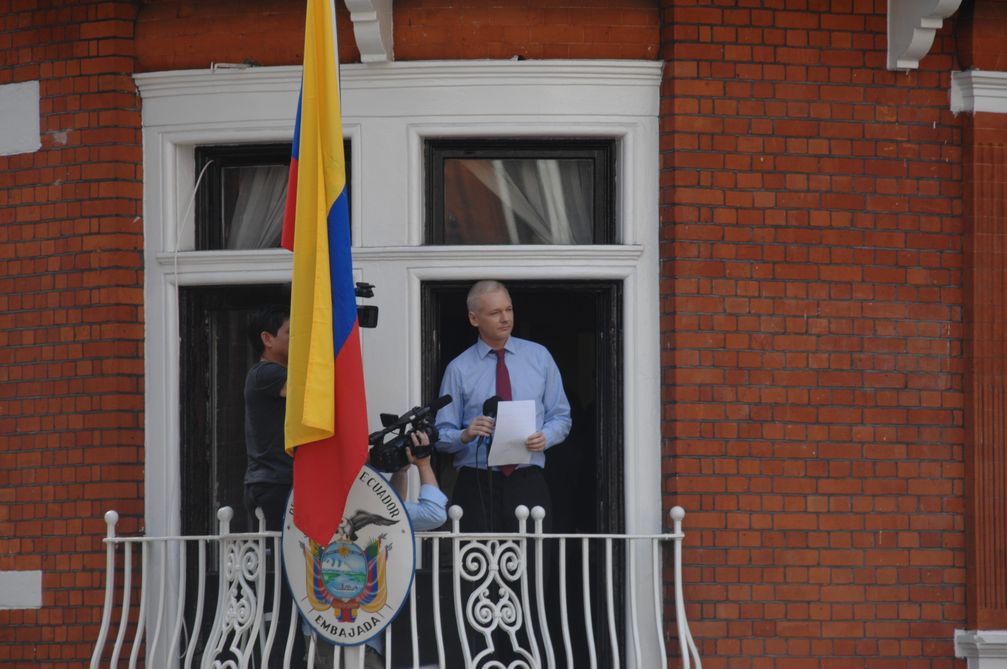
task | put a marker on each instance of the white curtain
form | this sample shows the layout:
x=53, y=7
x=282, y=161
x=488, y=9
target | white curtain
x=552, y=199
x=258, y=210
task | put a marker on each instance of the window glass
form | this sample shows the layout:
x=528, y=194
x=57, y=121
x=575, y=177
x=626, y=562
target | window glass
x=252, y=206
x=501, y=192
x=243, y=195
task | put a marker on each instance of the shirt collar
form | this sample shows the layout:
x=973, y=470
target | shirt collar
x=485, y=349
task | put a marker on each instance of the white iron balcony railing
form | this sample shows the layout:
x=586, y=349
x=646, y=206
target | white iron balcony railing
x=527, y=600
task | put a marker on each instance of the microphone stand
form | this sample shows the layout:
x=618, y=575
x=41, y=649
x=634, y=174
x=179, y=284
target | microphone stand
x=490, y=410
x=487, y=509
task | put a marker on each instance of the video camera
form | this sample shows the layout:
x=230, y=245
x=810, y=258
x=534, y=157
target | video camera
x=390, y=456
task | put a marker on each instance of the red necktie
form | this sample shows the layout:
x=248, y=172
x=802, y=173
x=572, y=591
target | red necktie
x=503, y=390
x=503, y=377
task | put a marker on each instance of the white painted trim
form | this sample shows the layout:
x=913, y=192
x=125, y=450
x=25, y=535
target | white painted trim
x=208, y=268
x=979, y=91
x=912, y=26
x=20, y=590
x=535, y=88
x=983, y=649
x=388, y=111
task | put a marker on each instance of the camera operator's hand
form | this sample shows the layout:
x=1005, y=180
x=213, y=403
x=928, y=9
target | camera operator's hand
x=419, y=439
x=427, y=476
x=481, y=426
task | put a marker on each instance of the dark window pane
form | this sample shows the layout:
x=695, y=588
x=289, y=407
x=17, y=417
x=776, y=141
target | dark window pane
x=500, y=192
x=243, y=195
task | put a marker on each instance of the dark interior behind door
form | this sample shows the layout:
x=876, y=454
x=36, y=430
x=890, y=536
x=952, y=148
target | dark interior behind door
x=580, y=323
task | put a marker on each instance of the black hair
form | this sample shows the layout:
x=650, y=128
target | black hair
x=269, y=318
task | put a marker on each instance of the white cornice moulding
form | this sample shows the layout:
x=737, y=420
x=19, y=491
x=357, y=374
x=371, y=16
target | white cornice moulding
x=372, y=28
x=979, y=91
x=912, y=25
x=984, y=649
x=418, y=74
x=191, y=268
x=416, y=90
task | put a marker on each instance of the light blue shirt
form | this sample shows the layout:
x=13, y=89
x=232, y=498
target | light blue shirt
x=470, y=379
x=429, y=511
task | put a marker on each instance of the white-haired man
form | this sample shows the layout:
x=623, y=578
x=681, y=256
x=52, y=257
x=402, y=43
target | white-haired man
x=499, y=364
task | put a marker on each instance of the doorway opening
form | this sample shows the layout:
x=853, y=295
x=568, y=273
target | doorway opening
x=215, y=356
x=580, y=323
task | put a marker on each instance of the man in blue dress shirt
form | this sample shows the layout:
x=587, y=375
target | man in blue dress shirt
x=512, y=369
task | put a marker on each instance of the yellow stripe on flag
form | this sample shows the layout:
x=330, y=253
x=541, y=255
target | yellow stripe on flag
x=321, y=178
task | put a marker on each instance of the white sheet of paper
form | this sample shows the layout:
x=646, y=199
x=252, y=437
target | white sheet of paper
x=514, y=424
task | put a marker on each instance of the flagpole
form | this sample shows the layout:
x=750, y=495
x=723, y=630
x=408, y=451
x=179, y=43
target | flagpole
x=335, y=55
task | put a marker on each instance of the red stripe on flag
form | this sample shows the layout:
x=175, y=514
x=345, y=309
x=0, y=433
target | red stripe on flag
x=332, y=464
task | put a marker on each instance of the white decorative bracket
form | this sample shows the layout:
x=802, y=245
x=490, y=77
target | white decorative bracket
x=979, y=91
x=912, y=25
x=372, y=26
x=984, y=649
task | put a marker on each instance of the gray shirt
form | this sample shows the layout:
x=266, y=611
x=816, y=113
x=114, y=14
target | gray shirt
x=265, y=410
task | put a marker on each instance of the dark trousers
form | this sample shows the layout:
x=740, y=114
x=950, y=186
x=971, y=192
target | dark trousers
x=272, y=499
x=488, y=498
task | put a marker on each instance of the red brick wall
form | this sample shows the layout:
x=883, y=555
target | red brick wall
x=71, y=331
x=178, y=34
x=811, y=317
x=811, y=305
x=982, y=39
x=982, y=35
x=526, y=28
x=181, y=34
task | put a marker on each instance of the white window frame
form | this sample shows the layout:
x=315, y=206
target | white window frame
x=388, y=112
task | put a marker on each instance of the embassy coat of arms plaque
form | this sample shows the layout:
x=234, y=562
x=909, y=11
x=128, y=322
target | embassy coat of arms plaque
x=350, y=589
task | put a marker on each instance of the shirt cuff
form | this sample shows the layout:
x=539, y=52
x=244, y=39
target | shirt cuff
x=433, y=494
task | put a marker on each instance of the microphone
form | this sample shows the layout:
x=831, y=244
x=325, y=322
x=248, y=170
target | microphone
x=433, y=407
x=419, y=412
x=489, y=409
x=490, y=406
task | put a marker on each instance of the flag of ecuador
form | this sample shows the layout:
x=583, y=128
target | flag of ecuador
x=326, y=420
